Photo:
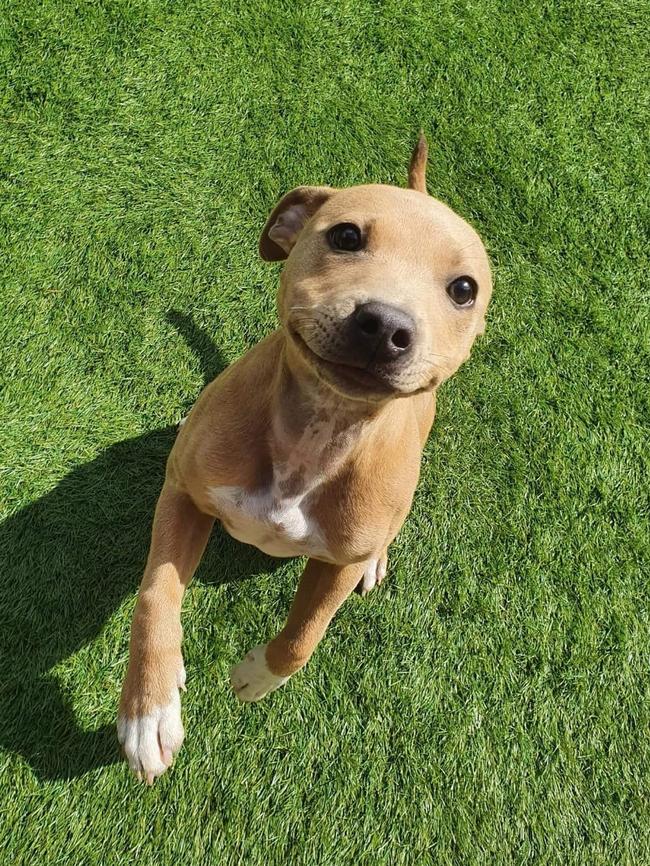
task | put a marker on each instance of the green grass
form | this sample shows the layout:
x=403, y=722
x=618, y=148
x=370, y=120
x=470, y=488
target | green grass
x=491, y=703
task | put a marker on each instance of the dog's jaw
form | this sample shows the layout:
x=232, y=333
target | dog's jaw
x=354, y=383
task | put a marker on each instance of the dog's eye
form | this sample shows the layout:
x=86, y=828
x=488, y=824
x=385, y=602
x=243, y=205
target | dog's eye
x=462, y=291
x=345, y=237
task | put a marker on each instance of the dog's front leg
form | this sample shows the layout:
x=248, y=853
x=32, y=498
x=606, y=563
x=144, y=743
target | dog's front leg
x=323, y=589
x=149, y=723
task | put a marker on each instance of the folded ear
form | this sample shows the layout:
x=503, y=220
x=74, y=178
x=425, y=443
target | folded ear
x=288, y=219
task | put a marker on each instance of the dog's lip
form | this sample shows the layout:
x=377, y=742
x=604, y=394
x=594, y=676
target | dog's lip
x=355, y=376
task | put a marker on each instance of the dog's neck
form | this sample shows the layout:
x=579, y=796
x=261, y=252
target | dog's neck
x=312, y=427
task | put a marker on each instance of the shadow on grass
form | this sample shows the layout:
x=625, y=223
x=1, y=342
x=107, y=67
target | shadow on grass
x=69, y=559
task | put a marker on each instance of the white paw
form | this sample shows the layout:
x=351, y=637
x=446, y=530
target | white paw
x=251, y=678
x=150, y=742
x=373, y=575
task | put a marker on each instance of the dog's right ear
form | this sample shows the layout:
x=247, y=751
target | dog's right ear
x=288, y=219
x=418, y=165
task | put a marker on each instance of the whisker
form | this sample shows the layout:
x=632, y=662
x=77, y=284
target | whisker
x=430, y=355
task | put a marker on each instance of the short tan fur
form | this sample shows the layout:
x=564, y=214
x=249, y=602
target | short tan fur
x=310, y=444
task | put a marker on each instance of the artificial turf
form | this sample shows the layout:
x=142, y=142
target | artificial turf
x=490, y=703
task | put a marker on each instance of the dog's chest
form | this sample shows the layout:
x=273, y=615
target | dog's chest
x=277, y=525
x=278, y=517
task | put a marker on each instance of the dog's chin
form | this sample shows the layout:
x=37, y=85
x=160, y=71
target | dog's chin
x=354, y=383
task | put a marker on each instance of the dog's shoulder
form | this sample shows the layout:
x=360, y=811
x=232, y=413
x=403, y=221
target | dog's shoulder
x=228, y=422
x=367, y=499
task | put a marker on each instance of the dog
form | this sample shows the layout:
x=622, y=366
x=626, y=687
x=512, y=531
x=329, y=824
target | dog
x=310, y=444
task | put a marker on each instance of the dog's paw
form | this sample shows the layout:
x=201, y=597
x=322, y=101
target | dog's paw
x=251, y=678
x=150, y=735
x=373, y=575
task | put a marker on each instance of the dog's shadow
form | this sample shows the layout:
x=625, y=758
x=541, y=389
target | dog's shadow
x=68, y=561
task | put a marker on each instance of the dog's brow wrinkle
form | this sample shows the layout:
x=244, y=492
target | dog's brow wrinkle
x=466, y=247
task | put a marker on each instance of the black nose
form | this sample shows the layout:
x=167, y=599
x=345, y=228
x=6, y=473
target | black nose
x=388, y=332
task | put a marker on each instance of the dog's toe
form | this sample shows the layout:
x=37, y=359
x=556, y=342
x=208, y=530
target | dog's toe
x=251, y=679
x=151, y=741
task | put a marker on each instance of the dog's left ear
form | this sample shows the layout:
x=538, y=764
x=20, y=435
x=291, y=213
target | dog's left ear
x=288, y=219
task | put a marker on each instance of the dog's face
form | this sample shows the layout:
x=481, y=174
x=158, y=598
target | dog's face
x=384, y=289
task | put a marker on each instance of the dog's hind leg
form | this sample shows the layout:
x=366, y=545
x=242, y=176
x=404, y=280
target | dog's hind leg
x=374, y=573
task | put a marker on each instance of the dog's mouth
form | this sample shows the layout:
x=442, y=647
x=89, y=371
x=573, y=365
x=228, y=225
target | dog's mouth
x=353, y=381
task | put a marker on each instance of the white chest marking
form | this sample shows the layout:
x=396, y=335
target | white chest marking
x=278, y=526
x=277, y=518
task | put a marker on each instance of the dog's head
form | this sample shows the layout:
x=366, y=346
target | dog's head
x=384, y=289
